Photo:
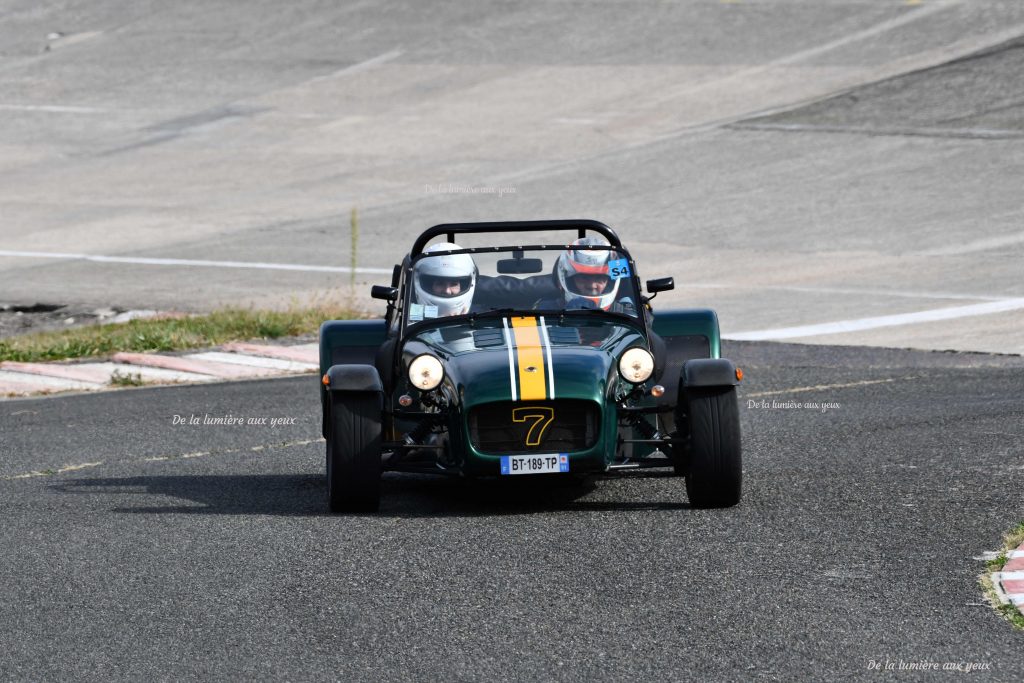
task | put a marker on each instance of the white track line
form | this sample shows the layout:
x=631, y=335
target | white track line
x=857, y=325
x=986, y=244
x=52, y=108
x=906, y=294
x=358, y=67
x=46, y=383
x=1011, y=576
x=255, y=361
x=920, y=131
x=822, y=387
x=161, y=458
x=154, y=375
x=138, y=260
x=796, y=58
x=910, y=16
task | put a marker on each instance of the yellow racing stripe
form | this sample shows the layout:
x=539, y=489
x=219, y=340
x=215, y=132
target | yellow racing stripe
x=532, y=383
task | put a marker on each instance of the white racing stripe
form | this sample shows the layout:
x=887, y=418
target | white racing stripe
x=138, y=260
x=511, y=358
x=546, y=341
x=859, y=324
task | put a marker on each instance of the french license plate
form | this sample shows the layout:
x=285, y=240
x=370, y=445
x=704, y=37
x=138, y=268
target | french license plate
x=534, y=464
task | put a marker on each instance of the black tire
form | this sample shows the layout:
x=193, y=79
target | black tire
x=353, y=452
x=714, y=475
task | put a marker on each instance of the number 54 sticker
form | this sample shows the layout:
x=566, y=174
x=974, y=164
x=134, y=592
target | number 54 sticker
x=618, y=269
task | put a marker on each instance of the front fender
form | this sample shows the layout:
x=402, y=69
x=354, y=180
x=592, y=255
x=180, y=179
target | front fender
x=350, y=341
x=347, y=378
x=353, y=378
x=708, y=372
x=347, y=342
x=689, y=333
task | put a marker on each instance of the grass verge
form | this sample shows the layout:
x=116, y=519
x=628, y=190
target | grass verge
x=1011, y=541
x=169, y=334
x=126, y=379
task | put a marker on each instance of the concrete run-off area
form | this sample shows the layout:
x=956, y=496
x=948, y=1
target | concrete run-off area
x=231, y=362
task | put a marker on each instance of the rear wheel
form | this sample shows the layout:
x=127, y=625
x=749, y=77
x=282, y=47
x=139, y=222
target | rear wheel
x=714, y=473
x=353, y=452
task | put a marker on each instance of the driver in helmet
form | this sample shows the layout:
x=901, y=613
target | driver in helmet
x=447, y=282
x=584, y=281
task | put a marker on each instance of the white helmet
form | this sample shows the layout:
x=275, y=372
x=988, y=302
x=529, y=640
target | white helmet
x=573, y=262
x=449, y=267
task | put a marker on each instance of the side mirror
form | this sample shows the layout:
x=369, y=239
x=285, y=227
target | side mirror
x=661, y=284
x=385, y=293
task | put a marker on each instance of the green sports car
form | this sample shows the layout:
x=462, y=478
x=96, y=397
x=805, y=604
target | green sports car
x=526, y=349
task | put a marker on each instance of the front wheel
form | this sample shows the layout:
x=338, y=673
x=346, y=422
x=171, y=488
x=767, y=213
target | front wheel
x=715, y=469
x=353, y=452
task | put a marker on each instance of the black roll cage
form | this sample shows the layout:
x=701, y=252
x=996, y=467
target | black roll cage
x=581, y=225
x=450, y=230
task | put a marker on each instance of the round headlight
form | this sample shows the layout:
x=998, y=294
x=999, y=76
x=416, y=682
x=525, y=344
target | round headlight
x=425, y=372
x=636, y=365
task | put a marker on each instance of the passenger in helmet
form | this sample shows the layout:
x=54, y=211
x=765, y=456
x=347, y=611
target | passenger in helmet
x=447, y=282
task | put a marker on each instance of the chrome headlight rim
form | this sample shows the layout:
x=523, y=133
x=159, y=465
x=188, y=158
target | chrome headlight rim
x=426, y=372
x=636, y=365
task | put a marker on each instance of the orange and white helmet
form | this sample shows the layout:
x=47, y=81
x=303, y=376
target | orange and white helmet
x=573, y=262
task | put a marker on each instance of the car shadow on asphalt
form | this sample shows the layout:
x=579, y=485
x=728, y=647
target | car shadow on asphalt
x=401, y=495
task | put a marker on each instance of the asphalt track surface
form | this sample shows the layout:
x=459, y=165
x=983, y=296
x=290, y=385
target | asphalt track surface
x=246, y=132
x=790, y=163
x=184, y=552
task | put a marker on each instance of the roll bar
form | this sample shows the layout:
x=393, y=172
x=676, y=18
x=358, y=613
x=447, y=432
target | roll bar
x=450, y=230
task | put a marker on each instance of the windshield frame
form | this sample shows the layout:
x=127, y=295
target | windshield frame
x=408, y=328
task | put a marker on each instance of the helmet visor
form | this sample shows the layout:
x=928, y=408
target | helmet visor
x=588, y=284
x=445, y=286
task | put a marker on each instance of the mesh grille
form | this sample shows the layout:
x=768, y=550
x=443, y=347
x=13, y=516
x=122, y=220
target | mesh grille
x=573, y=426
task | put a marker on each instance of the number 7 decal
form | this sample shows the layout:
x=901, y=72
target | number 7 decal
x=542, y=416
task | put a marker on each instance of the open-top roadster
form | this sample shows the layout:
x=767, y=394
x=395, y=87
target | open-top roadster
x=524, y=358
